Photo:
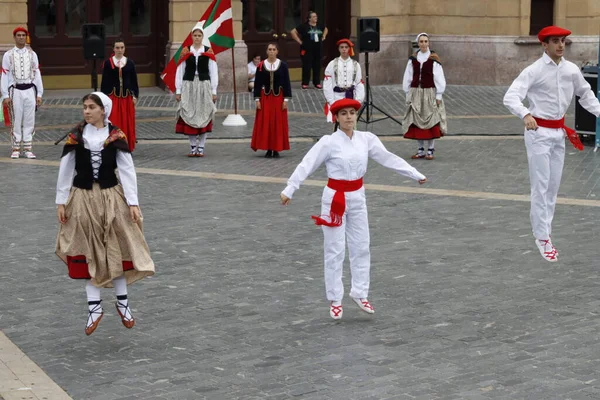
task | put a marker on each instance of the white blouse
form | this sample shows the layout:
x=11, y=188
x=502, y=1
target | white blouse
x=439, y=79
x=119, y=62
x=212, y=70
x=346, y=159
x=93, y=140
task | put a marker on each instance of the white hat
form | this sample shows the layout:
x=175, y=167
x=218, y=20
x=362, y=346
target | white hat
x=106, y=103
x=421, y=34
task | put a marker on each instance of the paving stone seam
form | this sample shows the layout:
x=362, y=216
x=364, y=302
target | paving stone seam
x=321, y=183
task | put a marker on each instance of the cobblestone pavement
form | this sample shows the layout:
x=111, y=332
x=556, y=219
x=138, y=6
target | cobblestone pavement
x=465, y=306
x=472, y=110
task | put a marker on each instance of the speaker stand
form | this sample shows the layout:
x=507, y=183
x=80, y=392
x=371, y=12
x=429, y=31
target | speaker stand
x=368, y=105
x=94, y=76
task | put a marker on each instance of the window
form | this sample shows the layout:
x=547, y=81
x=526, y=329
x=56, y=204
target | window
x=542, y=15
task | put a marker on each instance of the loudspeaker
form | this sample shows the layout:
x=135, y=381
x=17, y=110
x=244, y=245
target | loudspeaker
x=367, y=31
x=584, y=121
x=94, y=40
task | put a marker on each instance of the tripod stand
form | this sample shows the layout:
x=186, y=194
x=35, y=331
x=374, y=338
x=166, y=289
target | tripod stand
x=368, y=106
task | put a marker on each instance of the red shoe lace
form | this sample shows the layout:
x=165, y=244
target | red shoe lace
x=337, y=310
x=366, y=304
x=548, y=254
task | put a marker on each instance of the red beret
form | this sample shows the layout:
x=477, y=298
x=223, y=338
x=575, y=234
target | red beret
x=551, y=31
x=349, y=43
x=344, y=103
x=20, y=29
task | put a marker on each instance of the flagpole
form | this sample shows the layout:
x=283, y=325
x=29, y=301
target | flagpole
x=234, y=119
x=234, y=80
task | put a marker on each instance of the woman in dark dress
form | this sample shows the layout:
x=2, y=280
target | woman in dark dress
x=120, y=84
x=272, y=92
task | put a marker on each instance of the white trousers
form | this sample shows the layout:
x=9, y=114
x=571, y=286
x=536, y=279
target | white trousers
x=546, y=157
x=23, y=118
x=354, y=228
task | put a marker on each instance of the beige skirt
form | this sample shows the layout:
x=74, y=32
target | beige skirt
x=423, y=111
x=100, y=228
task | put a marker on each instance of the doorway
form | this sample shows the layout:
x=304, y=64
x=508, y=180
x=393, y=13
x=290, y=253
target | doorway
x=267, y=21
x=55, y=30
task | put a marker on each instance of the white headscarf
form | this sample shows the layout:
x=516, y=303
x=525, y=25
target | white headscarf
x=421, y=34
x=200, y=27
x=107, y=104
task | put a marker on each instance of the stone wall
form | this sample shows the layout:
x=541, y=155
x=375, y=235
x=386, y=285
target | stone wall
x=473, y=60
x=14, y=13
x=479, y=42
x=471, y=17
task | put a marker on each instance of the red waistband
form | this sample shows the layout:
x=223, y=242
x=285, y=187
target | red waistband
x=560, y=124
x=344, y=186
x=338, y=202
x=549, y=123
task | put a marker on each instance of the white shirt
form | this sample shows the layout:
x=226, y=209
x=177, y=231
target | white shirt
x=93, y=140
x=212, y=70
x=549, y=88
x=119, y=63
x=251, y=70
x=439, y=80
x=29, y=72
x=345, y=73
x=346, y=159
x=272, y=66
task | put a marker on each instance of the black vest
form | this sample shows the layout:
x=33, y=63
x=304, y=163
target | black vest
x=191, y=67
x=85, y=174
x=84, y=179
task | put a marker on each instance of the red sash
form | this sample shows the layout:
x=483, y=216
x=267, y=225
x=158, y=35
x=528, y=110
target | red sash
x=560, y=124
x=6, y=114
x=338, y=204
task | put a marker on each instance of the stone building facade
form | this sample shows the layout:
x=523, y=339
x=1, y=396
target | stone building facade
x=480, y=42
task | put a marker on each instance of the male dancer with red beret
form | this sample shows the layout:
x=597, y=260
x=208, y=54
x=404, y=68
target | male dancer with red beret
x=343, y=78
x=549, y=85
x=21, y=88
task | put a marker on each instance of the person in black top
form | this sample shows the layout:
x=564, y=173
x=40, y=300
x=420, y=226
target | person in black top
x=309, y=36
x=272, y=92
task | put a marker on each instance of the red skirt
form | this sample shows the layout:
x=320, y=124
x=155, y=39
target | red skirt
x=423, y=134
x=123, y=117
x=182, y=128
x=271, y=130
x=78, y=267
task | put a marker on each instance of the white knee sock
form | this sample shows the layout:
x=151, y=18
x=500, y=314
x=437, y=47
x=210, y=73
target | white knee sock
x=420, y=143
x=202, y=140
x=120, y=284
x=193, y=141
x=430, y=143
x=93, y=293
x=94, y=302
